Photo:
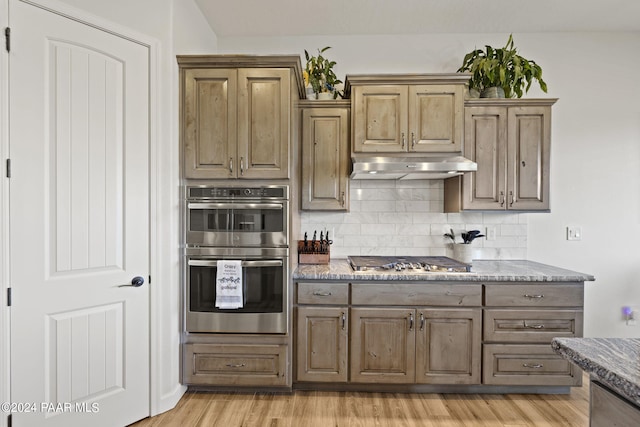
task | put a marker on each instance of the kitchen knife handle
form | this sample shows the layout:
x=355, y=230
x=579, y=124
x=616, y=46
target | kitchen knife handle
x=344, y=321
x=403, y=140
x=421, y=321
x=410, y=322
x=501, y=198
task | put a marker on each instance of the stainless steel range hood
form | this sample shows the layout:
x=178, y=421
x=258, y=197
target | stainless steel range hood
x=425, y=167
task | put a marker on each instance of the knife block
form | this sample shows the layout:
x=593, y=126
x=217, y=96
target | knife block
x=313, y=253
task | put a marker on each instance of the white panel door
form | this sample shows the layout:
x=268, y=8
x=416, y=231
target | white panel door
x=79, y=212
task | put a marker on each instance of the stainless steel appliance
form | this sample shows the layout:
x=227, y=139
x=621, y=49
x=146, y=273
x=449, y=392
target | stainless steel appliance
x=238, y=216
x=249, y=224
x=436, y=264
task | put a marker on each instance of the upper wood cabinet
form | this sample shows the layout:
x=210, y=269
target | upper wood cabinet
x=510, y=140
x=236, y=115
x=407, y=113
x=325, y=155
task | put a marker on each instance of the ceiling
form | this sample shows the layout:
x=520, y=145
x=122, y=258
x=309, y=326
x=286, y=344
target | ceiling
x=273, y=18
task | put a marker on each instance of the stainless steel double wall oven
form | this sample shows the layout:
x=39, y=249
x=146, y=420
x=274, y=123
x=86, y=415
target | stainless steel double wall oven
x=249, y=224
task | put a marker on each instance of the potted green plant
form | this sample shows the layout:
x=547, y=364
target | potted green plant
x=503, y=69
x=319, y=74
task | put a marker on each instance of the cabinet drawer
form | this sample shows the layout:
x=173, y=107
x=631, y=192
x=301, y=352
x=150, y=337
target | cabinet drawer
x=505, y=364
x=432, y=294
x=535, y=326
x=222, y=364
x=534, y=295
x=323, y=293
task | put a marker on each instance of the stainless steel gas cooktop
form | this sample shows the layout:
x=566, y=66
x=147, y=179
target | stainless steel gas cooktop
x=436, y=264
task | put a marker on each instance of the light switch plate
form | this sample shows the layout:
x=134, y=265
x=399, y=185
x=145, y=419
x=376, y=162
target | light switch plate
x=574, y=233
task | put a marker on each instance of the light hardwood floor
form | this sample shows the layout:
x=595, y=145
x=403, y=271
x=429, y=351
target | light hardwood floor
x=327, y=409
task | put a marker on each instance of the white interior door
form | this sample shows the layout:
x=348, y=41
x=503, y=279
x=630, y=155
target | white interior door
x=79, y=213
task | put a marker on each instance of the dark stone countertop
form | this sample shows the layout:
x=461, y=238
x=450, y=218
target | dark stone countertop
x=613, y=361
x=481, y=271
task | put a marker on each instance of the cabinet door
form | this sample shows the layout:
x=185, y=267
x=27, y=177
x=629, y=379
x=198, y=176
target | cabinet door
x=322, y=344
x=449, y=346
x=436, y=118
x=325, y=158
x=382, y=345
x=529, y=137
x=380, y=119
x=263, y=123
x=485, y=144
x=209, y=122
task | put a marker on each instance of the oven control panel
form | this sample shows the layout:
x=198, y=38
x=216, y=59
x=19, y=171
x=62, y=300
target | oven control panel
x=267, y=192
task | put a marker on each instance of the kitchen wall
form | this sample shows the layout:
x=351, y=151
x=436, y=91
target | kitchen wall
x=389, y=217
x=595, y=158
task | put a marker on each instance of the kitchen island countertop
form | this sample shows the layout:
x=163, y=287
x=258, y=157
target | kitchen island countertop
x=614, y=362
x=481, y=271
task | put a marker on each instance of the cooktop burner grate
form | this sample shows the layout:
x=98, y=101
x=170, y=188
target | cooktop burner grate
x=439, y=264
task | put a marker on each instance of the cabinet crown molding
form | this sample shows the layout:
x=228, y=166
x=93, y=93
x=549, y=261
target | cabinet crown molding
x=398, y=79
x=247, y=61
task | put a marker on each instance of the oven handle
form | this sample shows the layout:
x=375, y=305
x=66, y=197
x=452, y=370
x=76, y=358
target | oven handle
x=257, y=263
x=270, y=206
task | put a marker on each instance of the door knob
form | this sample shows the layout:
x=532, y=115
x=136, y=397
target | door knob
x=136, y=282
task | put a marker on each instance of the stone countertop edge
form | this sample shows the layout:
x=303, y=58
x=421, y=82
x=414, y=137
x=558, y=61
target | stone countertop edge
x=481, y=271
x=613, y=361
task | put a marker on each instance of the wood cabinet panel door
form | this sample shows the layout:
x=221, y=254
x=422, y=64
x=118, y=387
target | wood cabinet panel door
x=529, y=136
x=325, y=158
x=380, y=119
x=383, y=345
x=263, y=123
x=449, y=346
x=322, y=344
x=485, y=144
x=209, y=117
x=436, y=118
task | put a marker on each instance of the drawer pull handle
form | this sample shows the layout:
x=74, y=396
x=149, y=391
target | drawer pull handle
x=533, y=326
x=410, y=321
x=236, y=365
x=344, y=321
x=421, y=321
x=321, y=294
x=533, y=296
x=534, y=366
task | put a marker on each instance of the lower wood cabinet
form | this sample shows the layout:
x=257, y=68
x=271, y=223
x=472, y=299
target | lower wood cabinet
x=494, y=336
x=322, y=343
x=608, y=409
x=383, y=342
x=235, y=364
x=448, y=347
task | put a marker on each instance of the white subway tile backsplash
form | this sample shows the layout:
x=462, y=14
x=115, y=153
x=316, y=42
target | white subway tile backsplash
x=389, y=217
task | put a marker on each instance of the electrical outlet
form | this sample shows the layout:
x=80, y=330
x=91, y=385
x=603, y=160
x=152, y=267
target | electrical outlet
x=574, y=233
x=490, y=232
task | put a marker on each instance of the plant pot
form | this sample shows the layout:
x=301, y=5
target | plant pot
x=474, y=93
x=464, y=253
x=492, y=92
x=310, y=93
x=325, y=95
